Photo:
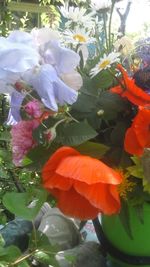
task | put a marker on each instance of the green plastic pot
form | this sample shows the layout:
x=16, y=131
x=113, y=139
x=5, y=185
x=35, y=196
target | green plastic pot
x=116, y=234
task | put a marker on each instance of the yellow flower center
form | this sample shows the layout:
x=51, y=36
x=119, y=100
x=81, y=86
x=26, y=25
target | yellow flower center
x=125, y=187
x=104, y=64
x=79, y=38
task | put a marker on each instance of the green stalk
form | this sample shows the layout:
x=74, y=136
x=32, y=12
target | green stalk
x=109, y=26
x=105, y=31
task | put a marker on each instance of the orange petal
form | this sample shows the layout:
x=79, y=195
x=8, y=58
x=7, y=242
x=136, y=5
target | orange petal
x=56, y=158
x=102, y=196
x=49, y=177
x=74, y=205
x=57, y=181
x=117, y=89
x=131, y=144
x=134, y=93
x=88, y=170
x=141, y=126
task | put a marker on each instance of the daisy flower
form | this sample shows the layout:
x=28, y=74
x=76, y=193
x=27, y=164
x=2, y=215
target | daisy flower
x=100, y=5
x=105, y=63
x=78, y=36
x=76, y=15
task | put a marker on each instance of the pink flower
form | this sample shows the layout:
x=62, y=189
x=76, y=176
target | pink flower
x=22, y=140
x=34, y=109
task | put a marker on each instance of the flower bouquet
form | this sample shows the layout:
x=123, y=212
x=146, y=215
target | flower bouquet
x=79, y=119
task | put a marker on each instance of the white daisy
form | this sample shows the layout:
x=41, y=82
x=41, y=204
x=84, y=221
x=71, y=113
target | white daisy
x=78, y=36
x=100, y=4
x=76, y=15
x=105, y=63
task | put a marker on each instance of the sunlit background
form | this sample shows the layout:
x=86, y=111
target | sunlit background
x=138, y=19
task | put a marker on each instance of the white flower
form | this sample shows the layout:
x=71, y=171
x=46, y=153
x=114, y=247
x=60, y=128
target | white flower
x=63, y=59
x=17, y=54
x=85, y=53
x=78, y=36
x=124, y=45
x=76, y=15
x=43, y=35
x=73, y=80
x=51, y=89
x=105, y=63
x=100, y=4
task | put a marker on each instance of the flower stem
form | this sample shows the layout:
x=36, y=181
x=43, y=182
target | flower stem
x=97, y=227
x=105, y=30
x=109, y=26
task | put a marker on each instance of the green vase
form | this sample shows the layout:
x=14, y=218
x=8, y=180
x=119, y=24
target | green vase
x=118, y=237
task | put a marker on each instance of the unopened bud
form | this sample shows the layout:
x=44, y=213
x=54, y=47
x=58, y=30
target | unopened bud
x=50, y=134
x=100, y=112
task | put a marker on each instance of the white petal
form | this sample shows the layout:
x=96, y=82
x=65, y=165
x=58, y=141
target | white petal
x=66, y=60
x=44, y=35
x=73, y=80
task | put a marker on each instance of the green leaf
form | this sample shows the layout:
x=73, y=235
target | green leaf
x=5, y=154
x=124, y=216
x=75, y=133
x=103, y=80
x=137, y=169
x=71, y=258
x=42, y=243
x=18, y=203
x=3, y=173
x=5, y=136
x=92, y=149
x=118, y=133
x=37, y=157
x=112, y=104
x=80, y=106
x=139, y=212
x=88, y=87
x=46, y=258
x=11, y=254
x=2, y=241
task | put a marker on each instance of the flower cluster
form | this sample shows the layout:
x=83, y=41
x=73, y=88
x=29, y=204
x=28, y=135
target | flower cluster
x=76, y=98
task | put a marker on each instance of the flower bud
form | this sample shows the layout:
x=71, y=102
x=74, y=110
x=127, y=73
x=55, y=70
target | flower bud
x=100, y=112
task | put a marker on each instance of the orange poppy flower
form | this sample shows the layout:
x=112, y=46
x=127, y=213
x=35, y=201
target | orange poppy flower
x=137, y=136
x=83, y=186
x=130, y=90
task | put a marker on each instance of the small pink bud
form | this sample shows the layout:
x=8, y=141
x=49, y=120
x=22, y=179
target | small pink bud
x=50, y=134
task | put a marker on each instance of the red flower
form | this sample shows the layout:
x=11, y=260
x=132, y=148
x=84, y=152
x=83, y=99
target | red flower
x=137, y=136
x=83, y=186
x=130, y=90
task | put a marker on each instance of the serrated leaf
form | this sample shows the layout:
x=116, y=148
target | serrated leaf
x=112, y=104
x=37, y=157
x=103, y=80
x=74, y=134
x=92, y=149
x=18, y=203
